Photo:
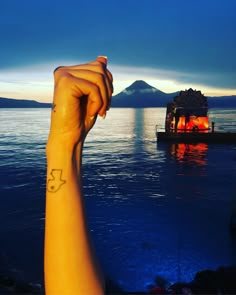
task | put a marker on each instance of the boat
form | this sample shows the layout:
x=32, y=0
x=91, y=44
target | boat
x=187, y=121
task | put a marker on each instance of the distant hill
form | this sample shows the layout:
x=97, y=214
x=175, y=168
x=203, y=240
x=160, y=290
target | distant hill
x=142, y=95
x=222, y=101
x=138, y=95
x=22, y=103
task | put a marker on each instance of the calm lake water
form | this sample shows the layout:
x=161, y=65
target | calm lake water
x=154, y=209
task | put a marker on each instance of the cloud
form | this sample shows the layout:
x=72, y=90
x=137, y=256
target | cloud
x=188, y=40
x=36, y=81
x=129, y=92
x=167, y=80
x=210, y=79
x=151, y=90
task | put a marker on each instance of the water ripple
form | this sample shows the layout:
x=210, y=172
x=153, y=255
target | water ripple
x=151, y=208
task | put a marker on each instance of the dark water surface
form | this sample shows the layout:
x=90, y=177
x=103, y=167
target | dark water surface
x=154, y=209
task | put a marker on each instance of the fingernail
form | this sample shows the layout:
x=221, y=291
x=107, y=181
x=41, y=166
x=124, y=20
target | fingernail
x=102, y=59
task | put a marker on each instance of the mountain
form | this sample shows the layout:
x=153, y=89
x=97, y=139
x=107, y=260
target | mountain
x=22, y=103
x=222, y=101
x=138, y=95
x=142, y=95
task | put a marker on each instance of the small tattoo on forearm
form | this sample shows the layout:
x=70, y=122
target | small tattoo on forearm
x=56, y=181
x=54, y=107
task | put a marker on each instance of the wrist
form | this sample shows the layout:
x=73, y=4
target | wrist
x=63, y=143
x=58, y=148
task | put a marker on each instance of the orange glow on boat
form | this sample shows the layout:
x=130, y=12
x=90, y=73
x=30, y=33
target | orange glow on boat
x=198, y=124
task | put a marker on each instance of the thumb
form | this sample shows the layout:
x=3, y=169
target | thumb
x=102, y=59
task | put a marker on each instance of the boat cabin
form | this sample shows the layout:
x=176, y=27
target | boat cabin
x=187, y=113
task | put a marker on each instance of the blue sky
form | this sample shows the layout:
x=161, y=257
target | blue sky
x=171, y=44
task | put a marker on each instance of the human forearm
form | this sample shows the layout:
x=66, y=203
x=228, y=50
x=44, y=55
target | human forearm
x=81, y=93
x=67, y=245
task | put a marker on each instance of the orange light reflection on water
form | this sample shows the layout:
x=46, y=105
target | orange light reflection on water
x=192, y=153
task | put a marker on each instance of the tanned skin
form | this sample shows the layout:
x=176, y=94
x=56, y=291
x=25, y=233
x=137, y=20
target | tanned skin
x=81, y=93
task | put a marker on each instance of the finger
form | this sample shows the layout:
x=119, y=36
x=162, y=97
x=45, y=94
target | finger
x=94, y=74
x=99, y=62
x=97, y=66
x=102, y=59
x=94, y=67
x=109, y=74
x=83, y=87
x=110, y=87
x=97, y=79
x=109, y=81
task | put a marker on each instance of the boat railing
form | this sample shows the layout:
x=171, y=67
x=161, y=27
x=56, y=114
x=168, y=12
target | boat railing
x=193, y=130
x=159, y=128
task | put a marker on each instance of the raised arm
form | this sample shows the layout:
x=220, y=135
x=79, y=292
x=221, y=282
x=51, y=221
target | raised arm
x=81, y=93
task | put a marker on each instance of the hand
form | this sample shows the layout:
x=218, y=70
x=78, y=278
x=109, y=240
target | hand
x=81, y=93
